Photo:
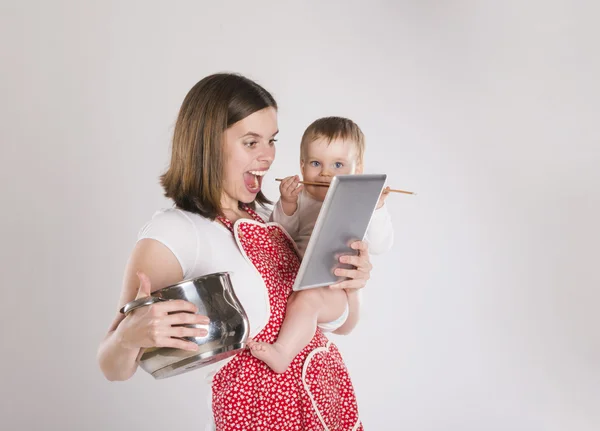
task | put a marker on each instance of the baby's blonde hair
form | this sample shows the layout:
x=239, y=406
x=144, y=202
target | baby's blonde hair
x=332, y=128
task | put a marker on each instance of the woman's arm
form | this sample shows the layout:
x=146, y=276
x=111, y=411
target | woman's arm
x=147, y=326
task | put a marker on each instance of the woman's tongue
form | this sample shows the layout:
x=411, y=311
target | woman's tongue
x=252, y=182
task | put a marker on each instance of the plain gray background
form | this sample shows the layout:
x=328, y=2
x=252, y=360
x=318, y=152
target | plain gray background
x=484, y=316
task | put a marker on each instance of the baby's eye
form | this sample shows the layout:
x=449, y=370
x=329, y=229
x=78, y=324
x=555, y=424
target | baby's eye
x=338, y=165
x=315, y=164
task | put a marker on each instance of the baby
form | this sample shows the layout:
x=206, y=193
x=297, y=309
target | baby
x=330, y=146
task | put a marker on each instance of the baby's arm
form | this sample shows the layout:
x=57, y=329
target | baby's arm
x=286, y=210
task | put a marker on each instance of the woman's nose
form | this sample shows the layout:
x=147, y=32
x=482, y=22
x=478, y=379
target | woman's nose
x=267, y=154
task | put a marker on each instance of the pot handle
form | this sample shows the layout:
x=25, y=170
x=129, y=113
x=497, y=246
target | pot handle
x=138, y=303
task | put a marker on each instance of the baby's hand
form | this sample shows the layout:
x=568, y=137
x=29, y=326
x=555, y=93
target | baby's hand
x=383, y=197
x=290, y=188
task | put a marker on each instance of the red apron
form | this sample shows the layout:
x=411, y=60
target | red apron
x=315, y=393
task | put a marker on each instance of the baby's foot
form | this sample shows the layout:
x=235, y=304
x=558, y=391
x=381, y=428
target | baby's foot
x=271, y=354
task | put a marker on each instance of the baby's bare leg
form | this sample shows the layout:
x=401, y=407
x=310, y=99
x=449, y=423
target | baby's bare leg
x=305, y=310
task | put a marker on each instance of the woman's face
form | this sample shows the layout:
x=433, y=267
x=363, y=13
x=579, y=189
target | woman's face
x=249, y=151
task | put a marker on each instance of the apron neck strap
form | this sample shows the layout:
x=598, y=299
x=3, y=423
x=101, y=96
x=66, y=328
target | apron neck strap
x=229, y=225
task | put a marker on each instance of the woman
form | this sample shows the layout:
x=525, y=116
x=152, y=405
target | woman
x=224, y=143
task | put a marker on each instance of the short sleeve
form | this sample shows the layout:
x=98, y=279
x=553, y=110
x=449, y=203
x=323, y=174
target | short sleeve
x=175, y=230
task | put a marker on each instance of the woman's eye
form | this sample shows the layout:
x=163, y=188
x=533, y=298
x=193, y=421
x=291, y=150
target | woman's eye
x=272, y=141
x=250, y=144
x=315, y=164
x=338, y=165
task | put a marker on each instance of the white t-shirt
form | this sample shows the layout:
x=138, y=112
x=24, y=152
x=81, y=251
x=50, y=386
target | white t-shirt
x=380, y=235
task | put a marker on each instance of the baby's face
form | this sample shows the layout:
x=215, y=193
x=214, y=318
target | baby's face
x=324, y=160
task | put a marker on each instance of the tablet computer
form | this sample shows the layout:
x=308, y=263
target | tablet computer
x=344, y=218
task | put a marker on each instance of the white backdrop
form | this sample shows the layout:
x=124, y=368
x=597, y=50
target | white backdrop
x=484, y=316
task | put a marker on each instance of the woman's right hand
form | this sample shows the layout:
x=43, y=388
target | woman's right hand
x=154, y=325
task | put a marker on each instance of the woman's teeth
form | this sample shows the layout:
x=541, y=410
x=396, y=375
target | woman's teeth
x=258, y=173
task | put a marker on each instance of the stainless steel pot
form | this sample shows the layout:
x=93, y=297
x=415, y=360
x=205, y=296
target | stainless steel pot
x=227, y=331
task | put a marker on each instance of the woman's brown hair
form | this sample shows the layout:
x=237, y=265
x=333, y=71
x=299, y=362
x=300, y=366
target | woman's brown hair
x=194, y=179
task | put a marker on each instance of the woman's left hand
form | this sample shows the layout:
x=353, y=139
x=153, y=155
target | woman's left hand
x=357, y=277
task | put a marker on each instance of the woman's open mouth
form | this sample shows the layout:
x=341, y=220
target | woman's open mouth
x=253, y=180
